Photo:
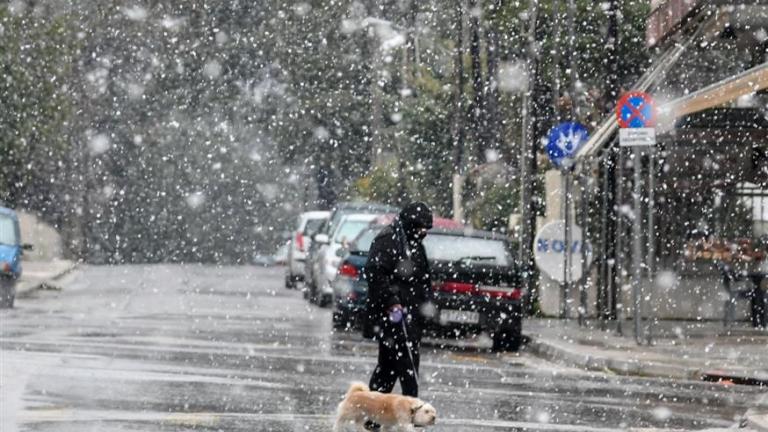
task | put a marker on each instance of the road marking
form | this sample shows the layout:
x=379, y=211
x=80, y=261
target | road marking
x=11, y=344
x=469, y=357
x=209, y=419
x=192, y=419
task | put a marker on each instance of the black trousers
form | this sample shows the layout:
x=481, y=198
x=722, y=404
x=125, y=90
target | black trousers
x=394, y=362
x=758, y=307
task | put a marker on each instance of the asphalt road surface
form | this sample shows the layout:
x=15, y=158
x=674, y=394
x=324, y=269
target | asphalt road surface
x=181, y=348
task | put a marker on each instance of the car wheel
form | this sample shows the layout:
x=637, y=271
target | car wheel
x=340, y=322
x=7, y=294
x=290, y=281
x=506, y=340
x=324, y=300
x=309, y=290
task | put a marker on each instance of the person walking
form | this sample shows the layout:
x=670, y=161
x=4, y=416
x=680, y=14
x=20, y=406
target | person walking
x=399, y=287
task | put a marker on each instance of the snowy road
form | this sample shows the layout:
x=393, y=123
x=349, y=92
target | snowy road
x=172, y=348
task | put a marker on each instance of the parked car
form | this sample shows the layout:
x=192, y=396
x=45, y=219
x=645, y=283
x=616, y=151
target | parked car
x=280, y=256
x=327, y=226
x=349, y=287
x=11, y=250
x=307, y=224
x=263, y=260
x=328, y=256
x=476, y=283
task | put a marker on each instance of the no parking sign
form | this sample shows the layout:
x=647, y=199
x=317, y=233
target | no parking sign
x=636, y=114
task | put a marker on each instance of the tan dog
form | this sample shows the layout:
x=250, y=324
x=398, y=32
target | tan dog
x=391, y=411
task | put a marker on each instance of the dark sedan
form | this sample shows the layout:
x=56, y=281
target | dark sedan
x=476, y=285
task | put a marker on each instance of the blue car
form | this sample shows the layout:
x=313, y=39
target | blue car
x=11, y=250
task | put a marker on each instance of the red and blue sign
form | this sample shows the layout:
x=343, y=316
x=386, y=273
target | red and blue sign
x=636, y=110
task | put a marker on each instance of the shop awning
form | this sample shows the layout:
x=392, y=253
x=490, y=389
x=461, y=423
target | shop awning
x=727, y=90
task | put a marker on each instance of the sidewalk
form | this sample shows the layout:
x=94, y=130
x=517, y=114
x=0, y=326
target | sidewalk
x=757, y=418
x=681, y=349
x=38, y=274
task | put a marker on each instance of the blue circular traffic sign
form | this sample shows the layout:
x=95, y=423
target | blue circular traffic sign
x=565, y=140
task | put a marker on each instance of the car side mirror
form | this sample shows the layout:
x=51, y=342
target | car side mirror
x=322, y=239
x=27, y=247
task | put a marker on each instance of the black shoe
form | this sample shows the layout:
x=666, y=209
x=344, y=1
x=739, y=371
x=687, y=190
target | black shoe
x=371, y=426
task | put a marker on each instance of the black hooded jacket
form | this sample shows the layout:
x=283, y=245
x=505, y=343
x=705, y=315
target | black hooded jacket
x=397, y=270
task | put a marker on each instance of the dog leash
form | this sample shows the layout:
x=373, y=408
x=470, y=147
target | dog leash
x=410, y=356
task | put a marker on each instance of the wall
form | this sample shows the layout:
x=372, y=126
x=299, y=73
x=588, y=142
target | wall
x=44, y=238
x=687, y=295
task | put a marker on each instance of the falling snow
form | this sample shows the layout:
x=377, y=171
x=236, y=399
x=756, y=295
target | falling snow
x=205, y=198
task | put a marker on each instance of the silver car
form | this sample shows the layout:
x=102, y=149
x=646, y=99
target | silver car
x=307, y=224
x=327, y=259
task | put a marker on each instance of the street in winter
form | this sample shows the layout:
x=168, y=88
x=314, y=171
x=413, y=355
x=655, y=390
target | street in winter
x=194, y=347
x=383, y=215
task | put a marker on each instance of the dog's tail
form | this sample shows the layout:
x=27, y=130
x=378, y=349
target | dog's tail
x=340, y=417
x=357, y=387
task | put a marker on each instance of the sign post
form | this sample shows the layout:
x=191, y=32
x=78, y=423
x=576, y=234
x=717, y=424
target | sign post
x=565, y=140
x=636, y=114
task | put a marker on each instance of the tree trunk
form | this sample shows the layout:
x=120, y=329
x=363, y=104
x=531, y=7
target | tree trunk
x=457, y=125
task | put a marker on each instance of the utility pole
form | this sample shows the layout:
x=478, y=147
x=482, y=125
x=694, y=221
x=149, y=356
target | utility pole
x=574, y=75
x=494, y=134
x=573, y=79
x=457, y=127
x=402, y=141
x=556, y=59
x=608, y=287
x=478, y=99
x=528, y=162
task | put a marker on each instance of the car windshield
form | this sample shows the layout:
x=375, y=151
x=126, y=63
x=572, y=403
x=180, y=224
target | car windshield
x=312, y=226
x=7, y=231
x=454, y=248
x=363, y=241
x=349, y=229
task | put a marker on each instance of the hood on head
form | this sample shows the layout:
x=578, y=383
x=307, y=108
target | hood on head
x=416, y=215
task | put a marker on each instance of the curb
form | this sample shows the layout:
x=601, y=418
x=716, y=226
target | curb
x=757, y=417
x=758, y=422
x=25, y=289
x=563, y=354
x=558, y=353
